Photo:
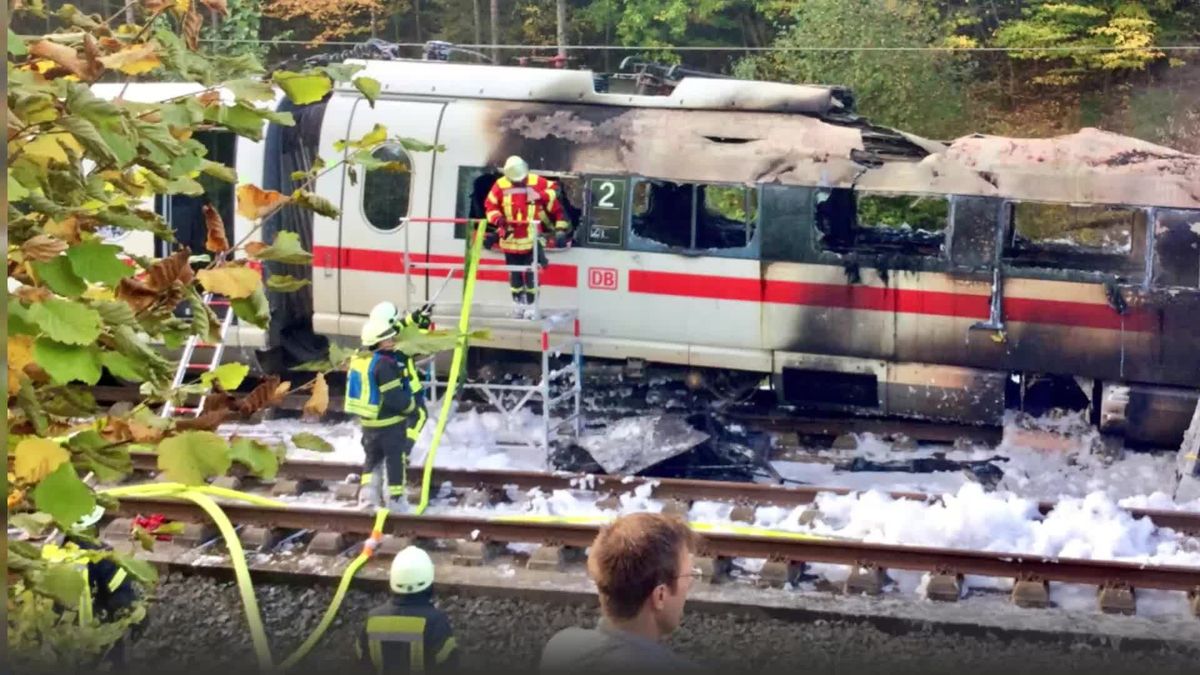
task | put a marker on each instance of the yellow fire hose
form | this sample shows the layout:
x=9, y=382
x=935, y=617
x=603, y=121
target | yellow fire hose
x=200, y=494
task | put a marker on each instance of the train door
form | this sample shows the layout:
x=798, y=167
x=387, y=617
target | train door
x=372, y=239
x=185, y=213
x=688, y=277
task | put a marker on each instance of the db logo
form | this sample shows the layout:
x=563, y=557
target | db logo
x=603, y=278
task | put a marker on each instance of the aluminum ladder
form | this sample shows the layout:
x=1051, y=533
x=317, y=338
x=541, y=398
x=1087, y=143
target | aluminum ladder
x=186, y=365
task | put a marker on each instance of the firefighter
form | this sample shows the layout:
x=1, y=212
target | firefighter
x=384, y=390
x=519, y=206
x=409, y=634
x=109, y=592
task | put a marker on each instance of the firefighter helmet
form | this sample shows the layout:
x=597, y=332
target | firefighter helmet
x=380, y=325
x=412, y=571
x=515, y=169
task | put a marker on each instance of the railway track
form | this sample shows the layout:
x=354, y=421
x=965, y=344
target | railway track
x=679, y=492
x=476, y=540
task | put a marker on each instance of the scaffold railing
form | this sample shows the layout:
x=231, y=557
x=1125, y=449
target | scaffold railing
x=558, y=386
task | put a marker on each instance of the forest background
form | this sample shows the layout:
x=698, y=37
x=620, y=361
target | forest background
x=939, y=68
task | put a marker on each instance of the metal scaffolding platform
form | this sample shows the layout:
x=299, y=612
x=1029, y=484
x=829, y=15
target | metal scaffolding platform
x=557, y=389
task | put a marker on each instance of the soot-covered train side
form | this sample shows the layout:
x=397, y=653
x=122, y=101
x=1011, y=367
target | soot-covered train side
x=766, y=229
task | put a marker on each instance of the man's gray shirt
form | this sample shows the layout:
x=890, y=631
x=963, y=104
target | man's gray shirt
x=605, y=649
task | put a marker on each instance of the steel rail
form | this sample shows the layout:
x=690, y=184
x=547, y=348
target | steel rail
x=685, y=489
x=841, y=552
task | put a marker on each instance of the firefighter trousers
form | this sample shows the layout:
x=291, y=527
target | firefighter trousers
x=384, y=472
x=524, y=282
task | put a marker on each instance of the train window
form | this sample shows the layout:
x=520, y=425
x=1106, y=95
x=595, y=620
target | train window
x=1101, y=238
x=474, y=183
x=913, y=224
x=386, y=189
x=1177, y=248
x=690, y=216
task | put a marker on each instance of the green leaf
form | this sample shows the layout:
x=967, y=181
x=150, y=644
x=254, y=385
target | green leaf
x=310, y=441
x=66, y=321
x=110, y=464
x=19, y=322
x=369, y=162
x=369, y=87
x=64, y=496
x=16, y=191
x=28, y=402
x=372, y=138
x=219, y=171
x=16, y=46
x=229, y=375
x=123, y=367
x=254, y=310
x=242, y=119
x=33, y=523
x=193, y=456
x=66, y=363
x=256, y=456
x=98, y=262
x=115, y=312
x=303, y=88
x=118, y=140
x=63, y=583
x=286, y=283
x=315, y=203
x=414, y=145
x=60, y=276
x=251, y=90
x=88, y=136
x=141, y=569
x=68, y=401
x=185, y=186
x=341, y=72
x=286, y=249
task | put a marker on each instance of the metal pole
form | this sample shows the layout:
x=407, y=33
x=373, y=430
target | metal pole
x=562, y=28
x=495, y=17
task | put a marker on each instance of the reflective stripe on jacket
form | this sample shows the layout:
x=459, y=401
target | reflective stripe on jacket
x=408, y=635
x=377, y=390
x=535, y=200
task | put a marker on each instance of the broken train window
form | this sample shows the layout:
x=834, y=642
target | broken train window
x=903, y=223
x=474, y=183
x=693, y=216
x=1177, y=248
x=1089, y=237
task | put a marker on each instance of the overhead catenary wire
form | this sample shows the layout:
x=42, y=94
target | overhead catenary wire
x=708, y=48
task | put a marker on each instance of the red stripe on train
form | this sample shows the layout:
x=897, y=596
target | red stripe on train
x=901, y=301
x=392, y=262
x=838, y=296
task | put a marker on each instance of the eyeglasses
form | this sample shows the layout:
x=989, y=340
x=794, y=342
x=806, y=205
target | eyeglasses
x=696, y=572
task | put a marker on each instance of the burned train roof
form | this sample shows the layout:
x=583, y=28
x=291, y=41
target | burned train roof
x=551, y=85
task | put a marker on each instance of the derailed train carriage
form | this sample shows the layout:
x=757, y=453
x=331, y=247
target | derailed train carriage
x=766, y=229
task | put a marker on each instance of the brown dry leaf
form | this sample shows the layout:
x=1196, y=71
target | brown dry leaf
x=217, y=400
x=218, y=6
x=136, y=294
x=254, y=202
x=192, y=23
x=43, y=247
x=144, y=433
x=318, y=402
x=66, y=57
x=91, y=51
x=116, y=430
x=209, y=98
x=32, y=294
x=111, y=44
x=205, y=422
x=167, y=271
x=262, y=396
x=255, y=247
x=156, y=6
x=280, y=392
x=216, y=241
x=66, y=229
x=20, y=354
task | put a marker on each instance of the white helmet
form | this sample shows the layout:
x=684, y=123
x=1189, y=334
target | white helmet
x=380, y=325
x=515, y=168
x=91, y=518
x=412, y=571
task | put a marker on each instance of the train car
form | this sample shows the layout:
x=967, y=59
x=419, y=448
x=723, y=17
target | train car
x=767, y=229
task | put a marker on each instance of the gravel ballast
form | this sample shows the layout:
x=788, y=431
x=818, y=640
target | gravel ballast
x=198, y=625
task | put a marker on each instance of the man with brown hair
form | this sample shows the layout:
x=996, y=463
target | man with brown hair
x=643, y=569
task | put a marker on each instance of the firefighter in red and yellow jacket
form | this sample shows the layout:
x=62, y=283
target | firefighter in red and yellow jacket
x=519, y=206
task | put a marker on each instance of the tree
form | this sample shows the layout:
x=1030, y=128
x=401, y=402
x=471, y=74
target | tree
x=80, y=309
x=919, y=91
